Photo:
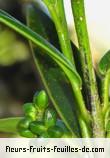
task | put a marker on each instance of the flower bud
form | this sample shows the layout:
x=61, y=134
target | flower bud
x=29, y=107
x=27, y=133
x=41, y=100
x=24, y=123
x=30, y=111
x=37, y=127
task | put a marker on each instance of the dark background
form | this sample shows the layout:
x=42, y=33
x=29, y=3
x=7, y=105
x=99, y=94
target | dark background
x=18, y=78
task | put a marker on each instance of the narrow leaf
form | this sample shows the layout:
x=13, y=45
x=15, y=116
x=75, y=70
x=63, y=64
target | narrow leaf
x=53, y=78
x=42, y=43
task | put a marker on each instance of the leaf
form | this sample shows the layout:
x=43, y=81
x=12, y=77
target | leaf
x=9, y=125
x=52, y=77
x=66, y=65
x=104, y=64
x=45, y=24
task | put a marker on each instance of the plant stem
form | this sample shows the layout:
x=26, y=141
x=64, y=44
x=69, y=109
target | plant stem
x=87, y=67
x=80, y=103
x=78, y=95
x=85, y=130
x=56, y=9
x=83, y=115
x=105, y=92
x=9, y=125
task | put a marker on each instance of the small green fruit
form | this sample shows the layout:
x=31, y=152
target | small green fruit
x=30, y=111
x=50, y=118
x=27, y=133
x=40, y=100
x=37, y=127
x=31, y=115
x=29, y=107
x=24, y=123
x=55, y=132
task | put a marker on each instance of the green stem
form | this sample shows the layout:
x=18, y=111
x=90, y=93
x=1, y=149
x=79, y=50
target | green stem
x=106, y=82
x=56, y=9
x=9, y=125
x=83, y=115
x=87, y=66
x=107, y=118
x=78, y=96
x=80, y=103
x=85, y=130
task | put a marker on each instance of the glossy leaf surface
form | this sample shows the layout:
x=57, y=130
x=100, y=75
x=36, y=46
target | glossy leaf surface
x=53, y=78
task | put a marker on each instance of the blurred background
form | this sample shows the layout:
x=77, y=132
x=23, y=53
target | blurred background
x=18, y=79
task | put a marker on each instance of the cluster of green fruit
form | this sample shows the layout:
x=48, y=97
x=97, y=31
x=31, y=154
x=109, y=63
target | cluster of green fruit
x=41, y=120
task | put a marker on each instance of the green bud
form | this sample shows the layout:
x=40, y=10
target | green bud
x=24, y=123
x=40, y=100
x=50, y=118
x=37, y=127
x=29, y=107
x=27, y=133
x=30, y=111
x=31, y=115
x=55, y=132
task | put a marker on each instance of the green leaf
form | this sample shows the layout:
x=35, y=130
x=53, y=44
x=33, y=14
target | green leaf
x=52, y=77
x=66, y=65
x=45, y=24
x=104, y=64
x=9, y=125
